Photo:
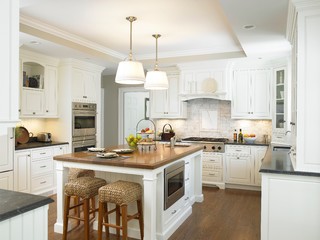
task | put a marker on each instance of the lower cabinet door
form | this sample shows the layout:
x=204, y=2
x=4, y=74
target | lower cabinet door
x=238, y=169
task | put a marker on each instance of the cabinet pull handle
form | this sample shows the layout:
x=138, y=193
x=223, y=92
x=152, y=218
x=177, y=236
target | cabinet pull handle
x=43, y=182
x=292, y=123
x=187, y=198
x=238, y=158
x=165, y=112
x=238, y=150
x=211, y=174
x=187, y=163
x=42, y=153
x=174, y=212
x=43, y=166
x=84, y=96
x=29, y=155
x=187, y=179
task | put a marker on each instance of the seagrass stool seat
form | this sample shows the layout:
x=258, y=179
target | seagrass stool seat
x=120, y=193
x=84, y=188
x=76, y=173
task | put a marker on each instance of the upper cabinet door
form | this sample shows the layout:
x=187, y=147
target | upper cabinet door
x=84, y=86
x=251, y=98
x=261, y=93
x=50, y=83
x=241, y=94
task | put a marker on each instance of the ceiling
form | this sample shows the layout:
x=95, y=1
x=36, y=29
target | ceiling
x=192, y=30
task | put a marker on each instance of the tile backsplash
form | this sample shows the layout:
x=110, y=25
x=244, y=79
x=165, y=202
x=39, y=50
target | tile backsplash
x=218, y=122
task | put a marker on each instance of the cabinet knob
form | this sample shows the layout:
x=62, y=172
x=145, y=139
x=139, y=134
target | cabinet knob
x=33, y=113
x=292, y=123
x=174, y=212
x=165, y=112
x=19, y=110
x=47, y=110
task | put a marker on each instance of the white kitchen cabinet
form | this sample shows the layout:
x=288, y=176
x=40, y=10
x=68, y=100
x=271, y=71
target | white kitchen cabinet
x=167, y=103
x=280, y=98
x=238, y=169
x=243, y=164
x=84, y=86
x=9, y=62
x=22, y=161
x=51, y=91
x=304, y=22
x=251, y=97
x=7, y=143
x=32, y=103
x=258, y=153
x=6, y=180
x=212, y=169
x=38, y=85
x=34, y=170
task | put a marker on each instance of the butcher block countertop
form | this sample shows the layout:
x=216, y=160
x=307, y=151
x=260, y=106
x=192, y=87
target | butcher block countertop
x=138, y=159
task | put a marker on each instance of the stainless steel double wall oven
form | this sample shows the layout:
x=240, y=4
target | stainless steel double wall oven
x=84, y=120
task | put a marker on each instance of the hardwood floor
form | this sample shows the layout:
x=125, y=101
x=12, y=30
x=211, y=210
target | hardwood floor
x=229, y=214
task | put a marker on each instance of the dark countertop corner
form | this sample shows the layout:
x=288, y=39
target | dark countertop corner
x=15, y=203
x=277, y=160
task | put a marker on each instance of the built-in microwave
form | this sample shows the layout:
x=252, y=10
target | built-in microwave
x=173, y=183
x=84, y=119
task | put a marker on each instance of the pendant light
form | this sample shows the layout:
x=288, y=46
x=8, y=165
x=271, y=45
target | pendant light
x=130, y=71
x=156, y=80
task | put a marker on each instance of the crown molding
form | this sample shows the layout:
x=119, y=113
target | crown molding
x=36, y=24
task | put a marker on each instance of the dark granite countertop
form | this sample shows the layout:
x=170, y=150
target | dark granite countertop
x=34, y=144
x=277, y=160
x=15, y=203
x=248, y=144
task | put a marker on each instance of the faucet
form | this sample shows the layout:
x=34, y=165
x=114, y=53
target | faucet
x=172, y=141
x=287, y=132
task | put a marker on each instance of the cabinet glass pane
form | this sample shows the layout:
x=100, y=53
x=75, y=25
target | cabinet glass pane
x=33, y=75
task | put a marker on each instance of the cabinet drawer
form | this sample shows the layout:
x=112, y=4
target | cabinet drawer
x=211, y=176
x=41, y=167
x=43, y=182
x=173, y=212
x=216, y=159
x=211, y=166
x=42, y=153
x=238, y=150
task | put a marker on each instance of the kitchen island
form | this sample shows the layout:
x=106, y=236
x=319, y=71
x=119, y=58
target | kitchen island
x=146, y=168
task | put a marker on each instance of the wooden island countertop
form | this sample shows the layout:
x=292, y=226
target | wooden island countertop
x=138, y=159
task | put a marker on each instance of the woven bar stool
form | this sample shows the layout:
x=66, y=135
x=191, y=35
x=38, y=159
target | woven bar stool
x=76, y=173
x=84, y=188
x=120, y=193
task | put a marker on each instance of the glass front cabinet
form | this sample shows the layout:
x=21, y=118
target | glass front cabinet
x=279, y=118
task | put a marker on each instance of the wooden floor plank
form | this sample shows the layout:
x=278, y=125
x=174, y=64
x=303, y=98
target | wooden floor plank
x=230, y=214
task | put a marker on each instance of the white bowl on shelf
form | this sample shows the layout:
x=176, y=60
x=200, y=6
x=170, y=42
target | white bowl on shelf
x=249, y=139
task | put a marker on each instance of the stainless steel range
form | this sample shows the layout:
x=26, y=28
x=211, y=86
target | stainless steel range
x=209, y=144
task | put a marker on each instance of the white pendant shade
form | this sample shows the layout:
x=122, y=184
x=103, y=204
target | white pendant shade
x=130, y=72
x=156, y=80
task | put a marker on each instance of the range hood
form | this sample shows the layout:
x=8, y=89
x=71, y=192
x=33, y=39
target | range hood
x=215, y=95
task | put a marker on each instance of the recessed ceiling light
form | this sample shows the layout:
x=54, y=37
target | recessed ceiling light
x=35, y=42
x=249, y=27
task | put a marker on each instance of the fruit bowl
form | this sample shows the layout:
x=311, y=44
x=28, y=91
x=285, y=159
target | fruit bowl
x=132, y=141
x=249, y=139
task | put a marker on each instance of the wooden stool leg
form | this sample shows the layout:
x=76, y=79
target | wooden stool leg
x=93, y=206
x=86, y=209
x=106, y=219
x=76, y=201
x=124, y=222
x=118, y=220
x=65, y=216
x=139, y=206
x=100, y=219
